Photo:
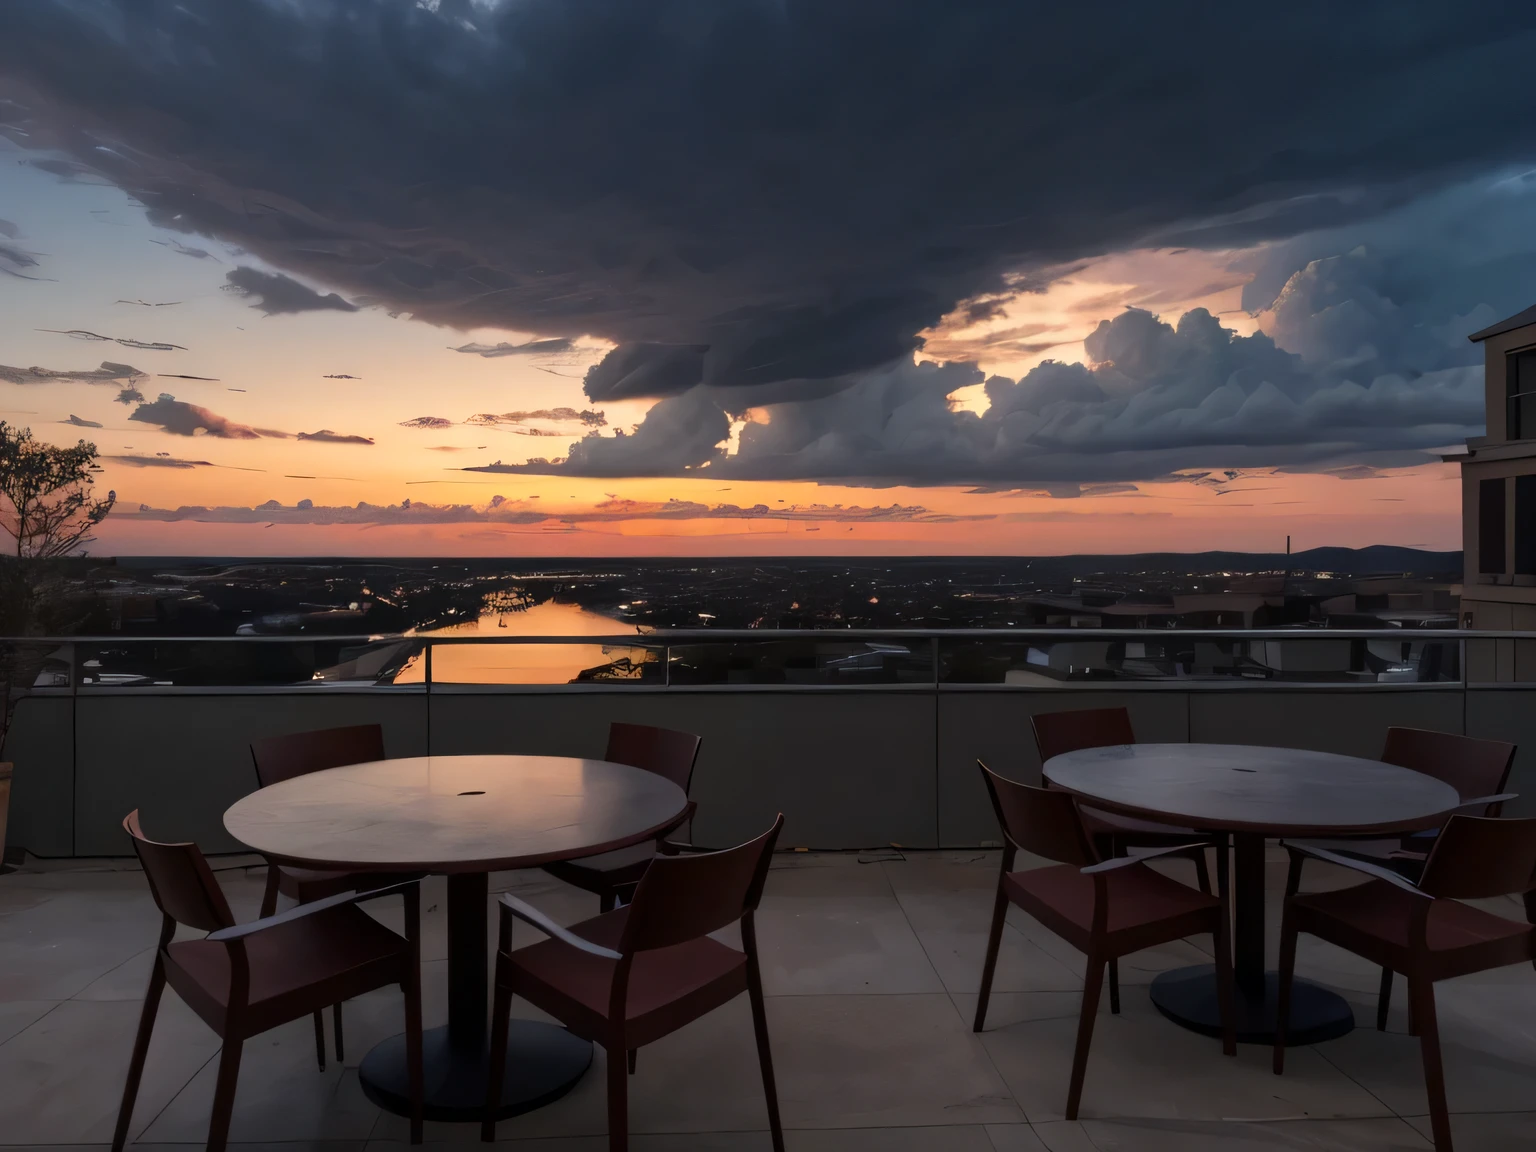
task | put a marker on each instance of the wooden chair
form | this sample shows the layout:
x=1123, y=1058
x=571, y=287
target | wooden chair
x=1103, y=909
x=1477, y=769
x=1111, y=833
x=1420, y=929
x=279, y=758
x=666, y=753
x=629, y=977
x=245, y=979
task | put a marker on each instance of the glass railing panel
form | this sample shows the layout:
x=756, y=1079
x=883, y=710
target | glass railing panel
x=241, y=663
x=1043, y=661
x=534, y=663
x=804, y=662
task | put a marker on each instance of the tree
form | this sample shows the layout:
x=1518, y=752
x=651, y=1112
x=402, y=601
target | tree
x=48, y=489
x=47, y=506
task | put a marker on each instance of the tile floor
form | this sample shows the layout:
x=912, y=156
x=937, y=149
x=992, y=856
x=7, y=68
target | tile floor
x=871, y=965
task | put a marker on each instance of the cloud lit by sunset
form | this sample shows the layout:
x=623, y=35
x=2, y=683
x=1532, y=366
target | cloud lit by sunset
x=306, y=346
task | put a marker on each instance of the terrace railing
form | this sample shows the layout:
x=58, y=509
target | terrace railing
x=820, y=659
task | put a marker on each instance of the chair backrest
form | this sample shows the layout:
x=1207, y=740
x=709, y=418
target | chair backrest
x=1476, y=857
x=1472, y=766
x=1043, y=821
x=1058, y=732
x=682, y=898
x=180, y=880
x=280, y=758
x=659, y=750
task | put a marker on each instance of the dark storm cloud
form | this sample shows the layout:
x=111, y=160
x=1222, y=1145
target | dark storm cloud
x=513, y=513
x=1158, y=398
x=528, y=348
x=276, y=294
x=646, y=369
x=125, y=341
x=108, y=373
x=158, y=462
x=326, y=436
x=799, y=186
x=183, y=419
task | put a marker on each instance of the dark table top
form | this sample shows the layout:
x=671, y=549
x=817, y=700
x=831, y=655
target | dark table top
x=1242, y=787
x=455, y=813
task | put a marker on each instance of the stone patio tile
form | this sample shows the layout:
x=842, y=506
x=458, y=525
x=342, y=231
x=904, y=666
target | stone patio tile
x=1142, y=1066
x=1375, y=1135
x=819, y=945
x=282, y=1095
x=1487, y=1046
x=1487, y=1132
x=61, y=1079
x=16, y=1015
x=953, y=926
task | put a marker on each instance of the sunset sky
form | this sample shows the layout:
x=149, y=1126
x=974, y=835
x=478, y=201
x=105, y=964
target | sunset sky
x=743, y=279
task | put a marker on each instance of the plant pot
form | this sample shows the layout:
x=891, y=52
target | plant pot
x=5, y=804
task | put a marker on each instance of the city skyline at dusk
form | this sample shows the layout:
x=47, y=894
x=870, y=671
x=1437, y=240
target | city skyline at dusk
x=416, y=346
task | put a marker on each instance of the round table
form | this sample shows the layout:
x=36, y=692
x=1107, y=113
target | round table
x=464, y=817
x=1252, y=793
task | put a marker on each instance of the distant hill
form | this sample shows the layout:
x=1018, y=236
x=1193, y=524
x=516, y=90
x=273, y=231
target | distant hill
x=1376, y=559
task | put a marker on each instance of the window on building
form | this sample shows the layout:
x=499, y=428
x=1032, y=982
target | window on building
x=1520, y=382
x=1525, y=525
x=1490, y=526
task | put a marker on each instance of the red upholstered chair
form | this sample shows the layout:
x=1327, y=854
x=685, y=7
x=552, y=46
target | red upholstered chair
x=279, y=758
x=631, y=976
x=1477, y=769
x=1111, y=833
x=1103, y=909
x=245, y=979
x=659, y=750
x=1423, y=929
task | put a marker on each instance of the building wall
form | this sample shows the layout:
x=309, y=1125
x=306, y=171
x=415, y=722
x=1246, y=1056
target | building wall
x=1498, y=600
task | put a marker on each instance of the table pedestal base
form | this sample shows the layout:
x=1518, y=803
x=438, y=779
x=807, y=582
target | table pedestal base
x=1187, y=996
x=544, y=1062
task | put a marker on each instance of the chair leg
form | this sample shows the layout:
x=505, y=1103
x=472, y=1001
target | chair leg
x=1384, y=1000
x=336, y=1020
x=1225, y=993
x=224, y=1094
x=1114, y=987
x=1287, y=975
x=618, y=1101
x=501, y=1010
x=269, y=894
x=320, y=1039
x=1092, y=983
x=765, y=1055
x=1421, y=994
x=415, y=1073
x=140, y=1051
x=1202, y=871
x=989, y=965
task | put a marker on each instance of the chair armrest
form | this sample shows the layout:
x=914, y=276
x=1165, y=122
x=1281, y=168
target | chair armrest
x=240, y=931
x=1484, y=801
x=1361, y=866
x=1127, y=861
x=531, y=915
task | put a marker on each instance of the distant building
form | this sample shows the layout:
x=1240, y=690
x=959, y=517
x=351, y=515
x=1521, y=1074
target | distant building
x=1498, y=490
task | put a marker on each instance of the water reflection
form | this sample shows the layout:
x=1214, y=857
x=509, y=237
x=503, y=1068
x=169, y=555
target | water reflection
x=533, y=663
